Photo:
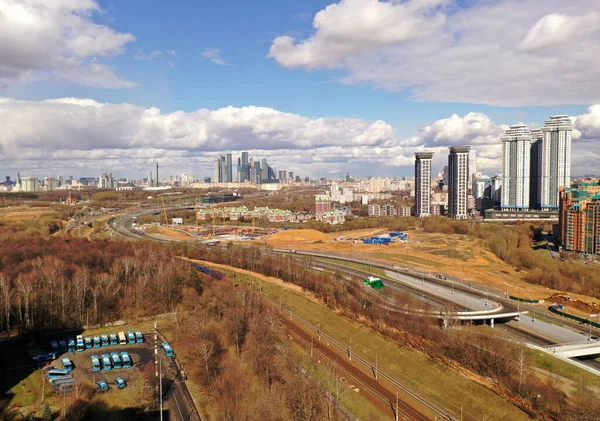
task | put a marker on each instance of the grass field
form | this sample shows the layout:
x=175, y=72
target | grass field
x=434, y=382
x=23, y=214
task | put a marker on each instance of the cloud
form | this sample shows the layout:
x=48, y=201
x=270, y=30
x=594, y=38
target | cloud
x=483, y=52
x=83, y=136
x=154, y=54
x=214, y=55
x=557, y=28
x=472, y=129
x=157, y=54
x=52, y=39
x=354, y=26
x=588, y=125
x=74, y=130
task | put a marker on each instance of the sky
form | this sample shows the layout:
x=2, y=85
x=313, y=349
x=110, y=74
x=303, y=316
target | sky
x=320, y=88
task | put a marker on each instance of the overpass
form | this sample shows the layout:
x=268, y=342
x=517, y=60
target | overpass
x=576, y=349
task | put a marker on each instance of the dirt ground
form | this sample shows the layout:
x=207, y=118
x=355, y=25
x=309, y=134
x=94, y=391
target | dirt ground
x=21, y=214
x=270, y=279
x=169, y=233
x=453, y=255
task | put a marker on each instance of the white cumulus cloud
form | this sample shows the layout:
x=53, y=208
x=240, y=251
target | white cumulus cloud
x=502, y=52
x=354, y=26
x=57, y=40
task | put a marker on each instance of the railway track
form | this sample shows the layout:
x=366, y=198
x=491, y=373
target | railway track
x=380, y=391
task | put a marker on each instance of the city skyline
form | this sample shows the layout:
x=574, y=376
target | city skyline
x=104, y=90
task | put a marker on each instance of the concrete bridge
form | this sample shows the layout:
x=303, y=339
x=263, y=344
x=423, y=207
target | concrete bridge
x=576, y=349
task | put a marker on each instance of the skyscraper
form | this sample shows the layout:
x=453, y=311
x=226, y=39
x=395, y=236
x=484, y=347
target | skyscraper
x=458, y=181
x=264, y=170
x=228, y=168
x=516, y=146
x=422, y=206
x=534, y=160
x=554, y=160
x=217, y=171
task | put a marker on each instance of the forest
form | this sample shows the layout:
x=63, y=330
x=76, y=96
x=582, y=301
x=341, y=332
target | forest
x=53, y=283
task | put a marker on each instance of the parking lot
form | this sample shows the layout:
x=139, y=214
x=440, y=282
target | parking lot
x=141, y=355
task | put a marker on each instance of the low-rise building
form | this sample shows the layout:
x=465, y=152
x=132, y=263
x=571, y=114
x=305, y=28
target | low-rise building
x=403, y=211
x=374, y=210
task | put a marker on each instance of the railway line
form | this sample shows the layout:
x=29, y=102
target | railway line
x=305, y=332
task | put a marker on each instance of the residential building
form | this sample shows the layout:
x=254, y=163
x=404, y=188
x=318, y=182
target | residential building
x=516, y=146
x=388, y=210
x=403, y=211
x=30, y=184
x=374, y=209
x=216, y=174
x=458, y=181
x=579, y=218
x=322, y=205
x=422, y=206
x=534, y=165
x=554, y=160
x=436, y=210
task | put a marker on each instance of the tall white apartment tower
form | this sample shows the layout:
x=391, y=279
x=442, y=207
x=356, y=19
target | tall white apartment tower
x=458, y=181
x=422, y=206
x=554, y=160
x=516, y=164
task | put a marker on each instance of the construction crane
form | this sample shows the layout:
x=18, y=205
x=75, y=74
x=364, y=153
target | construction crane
x=165, y=212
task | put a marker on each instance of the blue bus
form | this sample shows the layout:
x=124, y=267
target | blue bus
x=104, y=340
x=167, y=348
x=116, y=360
x=62, y=345
x=139, y=337
x=114, y=340
x=95, y=363
x=106, y=362
x=126, y=359
x=88, y=343
x=97, y=343
x=80, y=344
x=67, y=364
x=72, y=346
x=131, y=337
x=55, y=347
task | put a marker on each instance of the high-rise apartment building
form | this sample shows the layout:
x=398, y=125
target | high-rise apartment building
x=534, y=164
x=554, y=160
x=422, y=207
x=579, y=218
x=322, y=205
x=516, y=146
x=458, y=181
x=30, y=184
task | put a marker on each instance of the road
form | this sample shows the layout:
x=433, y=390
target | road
x=550, y=327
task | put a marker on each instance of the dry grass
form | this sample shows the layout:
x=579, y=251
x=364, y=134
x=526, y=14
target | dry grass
x=24, y=214
x=454, y=255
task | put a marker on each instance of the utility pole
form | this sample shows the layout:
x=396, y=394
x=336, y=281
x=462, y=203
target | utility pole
x=160, y=391
x=350, y=350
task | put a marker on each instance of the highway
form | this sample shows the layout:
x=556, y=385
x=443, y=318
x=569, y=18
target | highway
x=547, y=327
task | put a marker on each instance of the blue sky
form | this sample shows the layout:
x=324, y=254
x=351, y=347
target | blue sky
x=340, y=66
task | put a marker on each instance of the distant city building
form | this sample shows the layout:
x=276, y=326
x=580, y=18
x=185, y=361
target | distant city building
x=516, y=145
x=388, y=210
x=458, y=181
x=472, y=167
x=403, y=210
x=30, y=184
x=422, y=206
x=105, y=181
x=554, y=160
x=579, y=218
x=322, y=205
x=374, y=210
